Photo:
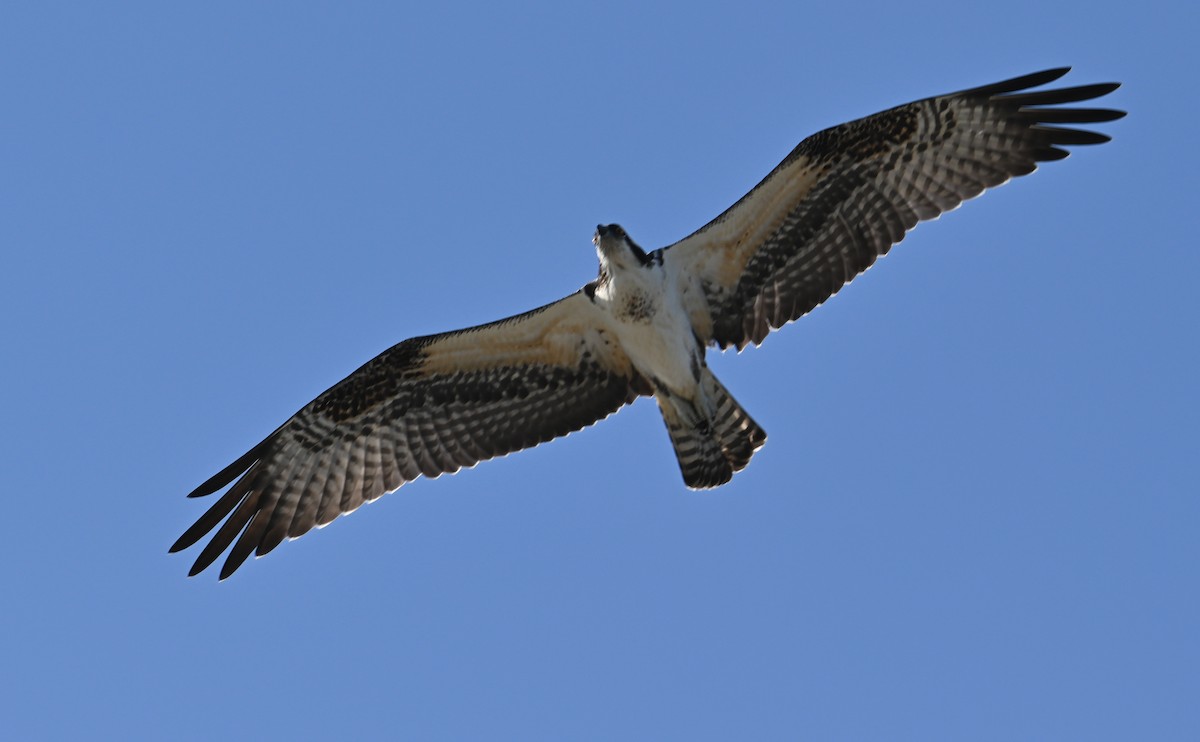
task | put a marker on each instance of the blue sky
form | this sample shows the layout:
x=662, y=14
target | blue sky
x=976, y=515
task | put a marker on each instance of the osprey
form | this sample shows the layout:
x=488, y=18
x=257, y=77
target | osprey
x=432, y=405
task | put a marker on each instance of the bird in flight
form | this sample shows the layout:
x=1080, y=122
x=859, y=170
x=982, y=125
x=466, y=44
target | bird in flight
x=432, y=405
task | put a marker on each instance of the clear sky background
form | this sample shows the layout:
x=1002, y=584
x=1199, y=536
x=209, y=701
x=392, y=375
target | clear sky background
x=977, y=513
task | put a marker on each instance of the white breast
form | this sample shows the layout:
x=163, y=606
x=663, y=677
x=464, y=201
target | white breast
x=652, y=325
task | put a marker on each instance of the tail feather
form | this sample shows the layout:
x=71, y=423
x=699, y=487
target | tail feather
x=713, y=436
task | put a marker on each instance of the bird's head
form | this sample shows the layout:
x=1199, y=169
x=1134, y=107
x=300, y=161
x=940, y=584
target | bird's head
x=614, y=247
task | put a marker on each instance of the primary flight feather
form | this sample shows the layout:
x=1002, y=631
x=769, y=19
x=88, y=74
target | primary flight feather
x=434, y=404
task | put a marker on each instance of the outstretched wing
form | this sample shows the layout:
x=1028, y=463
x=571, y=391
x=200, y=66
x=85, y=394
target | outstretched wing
x=845, y=195
x=427, y=406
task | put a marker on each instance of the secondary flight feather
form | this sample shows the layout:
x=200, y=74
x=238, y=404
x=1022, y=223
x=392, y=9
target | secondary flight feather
x=432, y=405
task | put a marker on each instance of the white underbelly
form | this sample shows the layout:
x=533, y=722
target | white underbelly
x=653, y=327
x=663, y=349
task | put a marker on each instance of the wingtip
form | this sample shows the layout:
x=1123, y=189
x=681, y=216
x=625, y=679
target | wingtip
x=1015, y=84
x=1058, y=136
x=239, y=467
x=202, y=564
x=229, y=567
x=1112, y=114
x=1054, y=72
x=1034, y=79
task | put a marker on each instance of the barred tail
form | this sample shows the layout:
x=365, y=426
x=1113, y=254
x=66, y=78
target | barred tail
x=713, y=436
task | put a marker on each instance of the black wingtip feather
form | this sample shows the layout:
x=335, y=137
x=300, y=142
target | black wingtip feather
x=1017, y=83
x=1059, y=96
x=228, y=531
x=233, y=471
x=1049, y=154
x=206, y=558
x=1070, y=115
x=245, y=544
x=1056, y=135
x=214, y=515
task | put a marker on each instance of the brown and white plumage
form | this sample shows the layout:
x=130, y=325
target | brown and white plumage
x=428, y=406
x=432, y=405
x=845, y=195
